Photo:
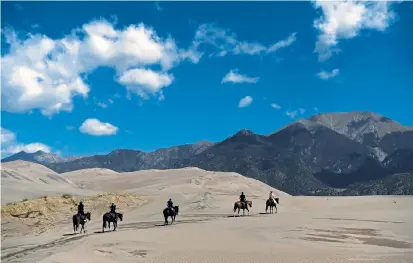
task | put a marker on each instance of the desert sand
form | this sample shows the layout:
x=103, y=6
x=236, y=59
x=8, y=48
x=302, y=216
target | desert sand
x=305, y=229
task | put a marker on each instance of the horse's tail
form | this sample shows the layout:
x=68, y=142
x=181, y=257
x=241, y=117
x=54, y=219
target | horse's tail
x=235, y=206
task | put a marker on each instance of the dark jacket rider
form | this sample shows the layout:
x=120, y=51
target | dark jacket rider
x=242, y=197
x=170, y=204
x=80, y=209
x=113, y=208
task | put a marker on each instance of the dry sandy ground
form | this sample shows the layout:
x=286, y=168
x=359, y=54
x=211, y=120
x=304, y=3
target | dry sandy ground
x=305, y=229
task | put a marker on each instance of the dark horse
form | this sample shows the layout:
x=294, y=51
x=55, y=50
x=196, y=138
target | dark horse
x=271, y=204
x=168, y=212
x=80, y=220
x=241, y=205
x=111, y=217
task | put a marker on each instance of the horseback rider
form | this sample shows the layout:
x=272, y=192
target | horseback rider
x=113, y=209
x=242, y=199
x=272, y=197
x=170, y=205
x=80, y=209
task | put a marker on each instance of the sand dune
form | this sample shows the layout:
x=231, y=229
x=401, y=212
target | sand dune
x=305, y=229
x=21, y=180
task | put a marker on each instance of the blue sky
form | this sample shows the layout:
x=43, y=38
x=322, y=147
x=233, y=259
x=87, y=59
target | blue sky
x=84, y=78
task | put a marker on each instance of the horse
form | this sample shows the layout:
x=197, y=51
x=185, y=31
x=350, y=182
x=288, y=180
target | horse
x=241, y=205
x=80, y=220
x=168, y=212
x=271, y=204
x=111, y=217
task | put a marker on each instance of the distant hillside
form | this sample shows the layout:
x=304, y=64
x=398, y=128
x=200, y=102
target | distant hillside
x=40, y=157
x=326, y=153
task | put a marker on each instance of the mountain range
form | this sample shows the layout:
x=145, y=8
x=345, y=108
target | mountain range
x=350, y=153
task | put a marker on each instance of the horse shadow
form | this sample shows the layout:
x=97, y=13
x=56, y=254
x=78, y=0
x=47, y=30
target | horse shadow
x=70, y=234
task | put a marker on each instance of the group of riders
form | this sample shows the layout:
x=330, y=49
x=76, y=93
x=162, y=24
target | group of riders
x=169, y=204
x=271, y=197
x=81, y=209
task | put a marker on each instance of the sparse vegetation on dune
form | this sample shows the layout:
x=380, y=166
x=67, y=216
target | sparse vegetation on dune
x=41, y=214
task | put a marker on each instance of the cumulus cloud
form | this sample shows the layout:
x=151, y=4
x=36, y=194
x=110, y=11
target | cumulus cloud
x=345, y=20
x=144, y=81
x=235, y=77
x=224, y=41
x=245, y=102
x=328, y=75
x=275, y=106
x=97, y=128
x=42, y=73
x=291, y=114
x=9, y=144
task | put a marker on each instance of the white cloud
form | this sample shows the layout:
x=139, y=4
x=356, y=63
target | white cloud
x=102, y=105
x=275, y=106
x=235, y=77
x=143, y=81
x=110, y=101
x=245, y=102
x=223, y=41
x=42, y=73
x=9, y=144
x=283, y=43
x=97, y=128
x=345, y=20
x=301, y=110
x=7, y=136
x=328, y=75
x=291, y=114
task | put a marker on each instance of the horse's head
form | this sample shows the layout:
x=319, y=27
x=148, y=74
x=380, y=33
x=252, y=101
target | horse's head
x=249, y=203
x=176, y=208
x=88, y=215
x=120, y=215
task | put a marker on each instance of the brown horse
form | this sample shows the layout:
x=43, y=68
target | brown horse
x=80, y=220
x=240, y=205
x=271, y=204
